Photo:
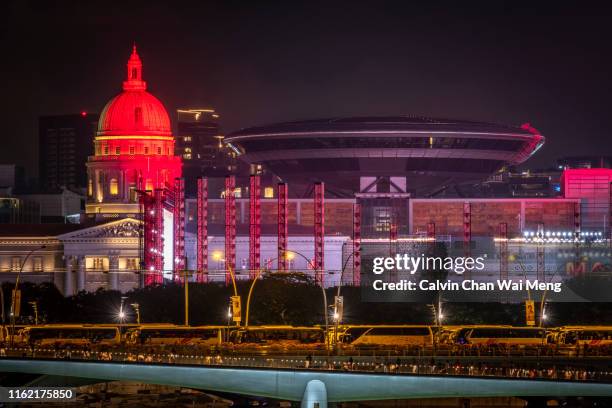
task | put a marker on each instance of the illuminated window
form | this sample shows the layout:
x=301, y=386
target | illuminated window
x=131, y=149
x=188, y=150
x=90, y=187
x=159, y=150
x=114, y=187
x=105, y=149
x=382, y=219
x=118, y=150
x=97, y=263
x=98, y=150
x=146, y=150
x=187, y=138
x=133, y=194
x=131, y=263
x=15, y=263
x=37, y=264
x=268, y=192
x=238, y=192
x=187, y=156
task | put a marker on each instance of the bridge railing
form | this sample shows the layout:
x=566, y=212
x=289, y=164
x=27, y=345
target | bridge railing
x=597, y=369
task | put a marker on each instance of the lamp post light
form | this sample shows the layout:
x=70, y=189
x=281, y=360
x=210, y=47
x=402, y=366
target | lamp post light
x=121, y=311
x=34, y=305
x=136, y=307
x=287, y=253
x=15, y=291
x=218, y=256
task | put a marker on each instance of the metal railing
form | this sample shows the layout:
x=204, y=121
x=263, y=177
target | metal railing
x=594, y=369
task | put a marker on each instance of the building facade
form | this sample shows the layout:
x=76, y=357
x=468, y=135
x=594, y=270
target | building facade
x=64, y=144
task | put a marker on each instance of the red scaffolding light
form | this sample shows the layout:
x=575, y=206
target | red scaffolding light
x=319, y=231
x=202, y=241
x=577, y=236
x=147, y=204
x=503, y=250
x=356, y=244
x=230, y=228
x=283, y=225
x=467, y=227
x=467, y=232
x=179, y=228
x=156, y=276
x=254, y=226
x=540, y=261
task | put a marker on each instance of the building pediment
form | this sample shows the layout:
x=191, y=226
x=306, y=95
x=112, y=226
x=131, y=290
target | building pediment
x=123, y=228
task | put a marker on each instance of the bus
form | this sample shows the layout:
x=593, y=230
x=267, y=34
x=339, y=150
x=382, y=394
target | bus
x=386, y=335
x=279, y=337
x=74, y=335
x=6, y=330
x=171, y=335
x=508, y=335
x=583, y=335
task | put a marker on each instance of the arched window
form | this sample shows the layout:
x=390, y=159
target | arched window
x=114, y=186
x=90, y=187
x=134, y=73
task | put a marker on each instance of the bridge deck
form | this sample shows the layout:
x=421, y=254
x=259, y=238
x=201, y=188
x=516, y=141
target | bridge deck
x=286, y=378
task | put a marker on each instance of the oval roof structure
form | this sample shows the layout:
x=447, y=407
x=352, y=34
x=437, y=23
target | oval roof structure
x=429, y=152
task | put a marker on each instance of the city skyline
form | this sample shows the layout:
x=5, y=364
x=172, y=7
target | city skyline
x=256, y=65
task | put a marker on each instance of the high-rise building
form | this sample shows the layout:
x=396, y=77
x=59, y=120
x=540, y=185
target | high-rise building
x=134, y=148
x=201, y=146
x=585, y=162
x=64, y=145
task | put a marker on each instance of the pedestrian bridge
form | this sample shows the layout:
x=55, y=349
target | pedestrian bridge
x=312, y=387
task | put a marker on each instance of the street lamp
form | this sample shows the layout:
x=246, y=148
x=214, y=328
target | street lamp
x=121, y=312
x=13, y=297
x=218, y=256
x=34, y=305
x=136, y=307
x=286, y=254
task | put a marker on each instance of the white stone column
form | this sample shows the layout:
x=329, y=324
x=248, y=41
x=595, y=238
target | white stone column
x=68, y=286
x=113, y=272
x=81, y=274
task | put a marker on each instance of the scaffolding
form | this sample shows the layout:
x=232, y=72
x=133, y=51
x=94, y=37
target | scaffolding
x=319, y=231
x=202, y=238
x=283, y=226
x=254, y=226
x=230, y=228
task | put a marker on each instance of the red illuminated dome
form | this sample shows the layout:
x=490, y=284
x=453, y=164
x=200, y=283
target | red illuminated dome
x=133, y=149
x=134, y=111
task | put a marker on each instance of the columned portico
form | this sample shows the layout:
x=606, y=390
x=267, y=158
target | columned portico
x=80, y=275
x=106, y=256
x=113, y=271
x=68, y=277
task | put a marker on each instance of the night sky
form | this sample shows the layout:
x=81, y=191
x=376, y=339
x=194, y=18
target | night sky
x=261, y=62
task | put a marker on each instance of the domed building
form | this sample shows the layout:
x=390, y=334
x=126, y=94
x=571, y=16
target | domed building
x=134, y=148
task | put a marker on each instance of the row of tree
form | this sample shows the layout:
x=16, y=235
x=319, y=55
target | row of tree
x=291, y=298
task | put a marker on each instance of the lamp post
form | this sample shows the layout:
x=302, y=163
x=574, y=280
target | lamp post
x=286, y=251
x=34, y=305
x=121, y=312
x=218, y=256
x=13, y=297
x=136, y=307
